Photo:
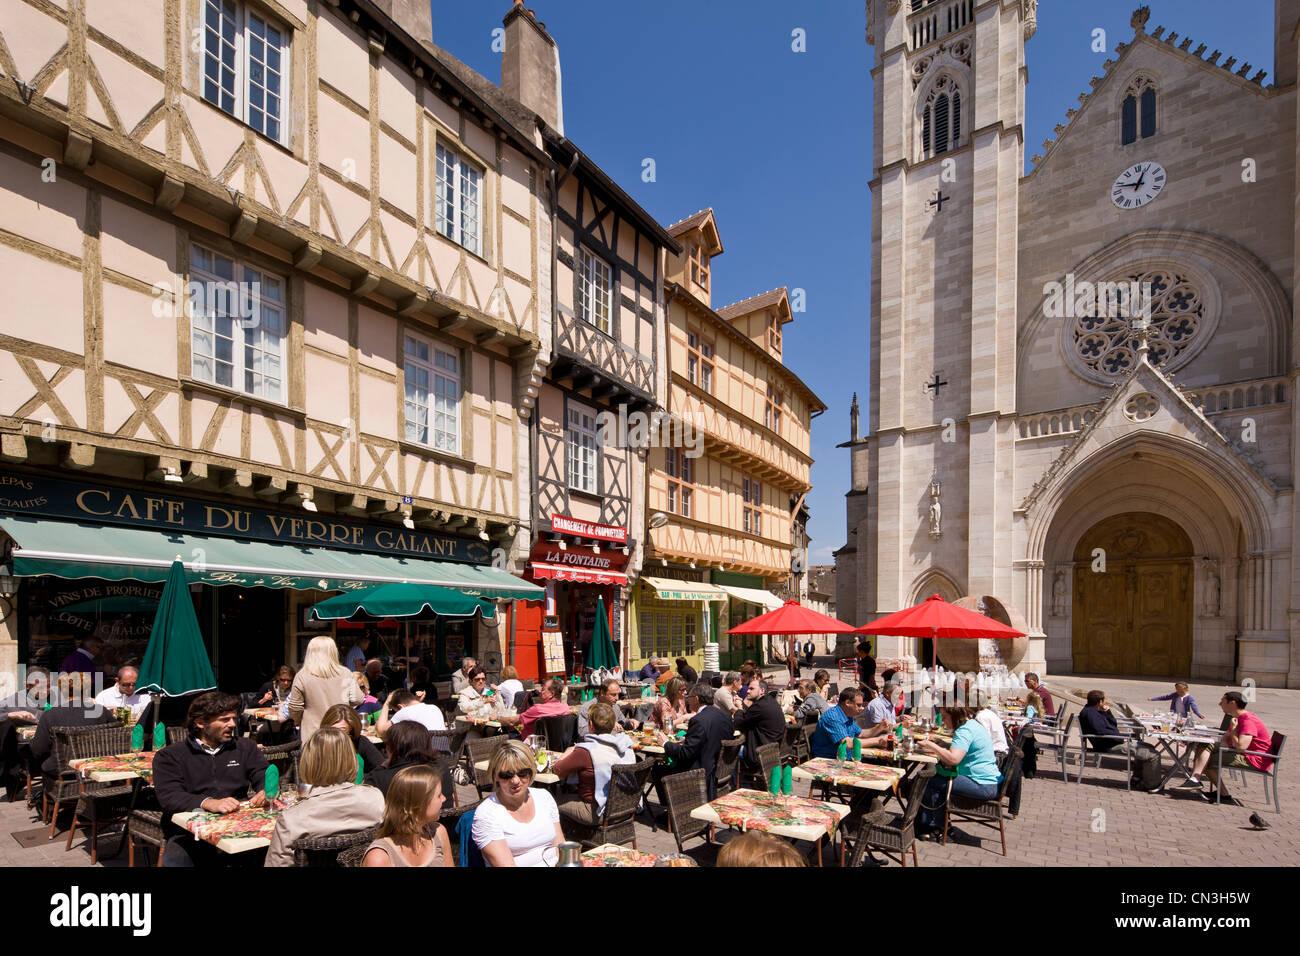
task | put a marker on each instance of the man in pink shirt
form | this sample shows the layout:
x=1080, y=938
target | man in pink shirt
x=552, y=704
x=1245, y=731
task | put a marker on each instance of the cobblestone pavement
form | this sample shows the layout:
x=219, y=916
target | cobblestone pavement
x=1096, y=822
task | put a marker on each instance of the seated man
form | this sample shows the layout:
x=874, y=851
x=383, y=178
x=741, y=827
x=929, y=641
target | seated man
x=552, y=704
x=594, y=759
x=650, y=671
x=122, y=694
x=881, y=710
x=1098, y=723
x=1245, y=731
x=837, y=725
x=210, y=770
x=808, y=703
x=608, y=694
x=704, y=736
x=762, y=722
x=460, y=679
x=1033, y=683
x=403, y=705
x=727, y=697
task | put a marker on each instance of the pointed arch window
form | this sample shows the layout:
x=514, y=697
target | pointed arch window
x=1138, y=110
x=941, y=118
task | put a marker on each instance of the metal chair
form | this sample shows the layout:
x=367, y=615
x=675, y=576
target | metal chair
x=1271, y=772
x=615, y=824
x=728, y=760
x=985, y=813
x=897, y=836
x=99, y=803
x=686, y=791
x=1128, y=729
x=1051, y=736
x=324, y=851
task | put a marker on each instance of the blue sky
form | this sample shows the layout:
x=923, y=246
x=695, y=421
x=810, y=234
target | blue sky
x=779, y=144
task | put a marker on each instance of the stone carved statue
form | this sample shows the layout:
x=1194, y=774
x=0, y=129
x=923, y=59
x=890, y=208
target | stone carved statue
x=1058, y=595
x=936, y=509
x=1213, y=585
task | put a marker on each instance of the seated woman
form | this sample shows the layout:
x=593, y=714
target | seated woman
x=334, y=805
x=369, y=702
x=670, y=709
x=344, y=718
x=411, y=834
x=475, y=695
x=409, y=745
x=971, y=755
x=822, y=680
x=593, y=760
x=518, y=823
x=510, y=686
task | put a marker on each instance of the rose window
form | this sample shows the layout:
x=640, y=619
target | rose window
x=1105, y=340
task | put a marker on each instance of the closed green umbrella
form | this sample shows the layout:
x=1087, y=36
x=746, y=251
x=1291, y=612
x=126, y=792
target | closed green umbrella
x=175, y=662
x=602, y=648
x=402, y=600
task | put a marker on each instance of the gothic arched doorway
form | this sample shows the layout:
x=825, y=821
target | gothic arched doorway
x=1135, y=616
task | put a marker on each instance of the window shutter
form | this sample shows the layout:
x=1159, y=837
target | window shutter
x=1148, y=112
x=1129, y=120
x=941, y=124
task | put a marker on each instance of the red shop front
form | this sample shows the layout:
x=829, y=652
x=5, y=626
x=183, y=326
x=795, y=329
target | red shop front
x=576, y=577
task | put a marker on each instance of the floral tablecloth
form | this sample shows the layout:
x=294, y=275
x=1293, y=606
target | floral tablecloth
x=271, y=714
x=245, y=829
x=116, y=767
x=613, y=855
x=791, y=816
x=849, y=773
x=25, y=734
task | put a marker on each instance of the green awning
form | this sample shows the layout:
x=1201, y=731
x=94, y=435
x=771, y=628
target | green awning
x=402, y=600
x=67, y=549
x=669, y=589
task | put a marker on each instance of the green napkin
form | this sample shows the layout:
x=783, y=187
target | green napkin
x=787, y=780
x=271, y=786
x=774, y=781
x=137, y=738
x=159, y=736
x=361, y=769
x=842, y=751
x=857, y=748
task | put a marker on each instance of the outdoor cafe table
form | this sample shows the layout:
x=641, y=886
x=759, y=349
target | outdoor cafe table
x=1165, y=741
x=130, y=766
x=270, y=714
x=611, y=854
x=796, y=818
x=879, y=753
x=238, y=832
x=849, y=773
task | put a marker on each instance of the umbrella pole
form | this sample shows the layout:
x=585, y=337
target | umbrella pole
x=406, y=639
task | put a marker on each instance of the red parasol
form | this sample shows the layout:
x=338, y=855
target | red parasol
x=935, y=617
x=792, y=618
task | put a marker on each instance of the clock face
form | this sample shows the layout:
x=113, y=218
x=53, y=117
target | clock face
x=1138, y=185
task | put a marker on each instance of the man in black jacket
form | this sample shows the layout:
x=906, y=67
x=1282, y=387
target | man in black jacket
x=708, y=728
x=210, y=770
x=762, y=722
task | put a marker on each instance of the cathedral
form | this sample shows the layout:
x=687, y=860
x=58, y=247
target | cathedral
x=1082, y=415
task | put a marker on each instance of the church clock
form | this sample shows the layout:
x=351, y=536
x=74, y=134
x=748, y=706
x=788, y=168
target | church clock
x=1137, y=185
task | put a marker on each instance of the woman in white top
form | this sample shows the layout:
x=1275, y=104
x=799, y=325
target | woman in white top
x=509, y=686
x=518, y=823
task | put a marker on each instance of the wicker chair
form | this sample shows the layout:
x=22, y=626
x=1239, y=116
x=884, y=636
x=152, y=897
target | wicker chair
x=686, y=791
x=176, y=734
x=769, y=758
x=352, y=856
x=324, y=851
x=894, y=839
x=985, y=813
x=144, y=827
x=616, y=822
x=479, y=750
x=64, y=786
x=728, y=759
x=99, y=803
x=285, y=759
x=795, y=747
x=561, y=732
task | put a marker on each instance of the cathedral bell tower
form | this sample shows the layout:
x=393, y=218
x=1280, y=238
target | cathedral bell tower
x=948, y=86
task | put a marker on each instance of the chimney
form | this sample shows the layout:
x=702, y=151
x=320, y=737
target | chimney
x=413, y=16
x=530, y=66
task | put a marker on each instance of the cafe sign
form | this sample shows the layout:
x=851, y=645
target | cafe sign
x=42, y=496
x=563, y=524
x=576, y=563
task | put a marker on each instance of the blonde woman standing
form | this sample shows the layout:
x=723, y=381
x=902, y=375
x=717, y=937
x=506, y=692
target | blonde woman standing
x=322, y=683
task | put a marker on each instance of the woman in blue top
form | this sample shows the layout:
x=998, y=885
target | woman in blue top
x=971, y=755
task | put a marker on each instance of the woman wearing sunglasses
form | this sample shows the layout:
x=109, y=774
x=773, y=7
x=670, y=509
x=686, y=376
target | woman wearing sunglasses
x=518, y=823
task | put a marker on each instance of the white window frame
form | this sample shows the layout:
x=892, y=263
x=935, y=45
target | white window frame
x=582, y=448
x=235, y=88
x=458, y=198
x=433, y=389
x=592, y=270
x=256, y=342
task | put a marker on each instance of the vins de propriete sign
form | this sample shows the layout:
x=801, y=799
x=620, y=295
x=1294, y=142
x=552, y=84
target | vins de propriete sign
x=28, y=494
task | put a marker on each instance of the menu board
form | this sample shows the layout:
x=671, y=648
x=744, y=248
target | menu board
x=553, y=646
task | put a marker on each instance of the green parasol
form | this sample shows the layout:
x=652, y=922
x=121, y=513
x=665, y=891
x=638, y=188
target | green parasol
x=602, y=648
x=175, y=662
x=402, y=600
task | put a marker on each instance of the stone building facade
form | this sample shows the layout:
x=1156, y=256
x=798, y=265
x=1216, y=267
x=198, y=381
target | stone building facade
x=1115, y=472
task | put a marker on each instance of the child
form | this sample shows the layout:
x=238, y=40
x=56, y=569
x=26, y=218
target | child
x=1033, y=710
x=410, y=834
x=1181, y=702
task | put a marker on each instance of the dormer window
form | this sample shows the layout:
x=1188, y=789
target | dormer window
x=774, y=332
x=941, y=118
x=700, y=267
x=1138, y=110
